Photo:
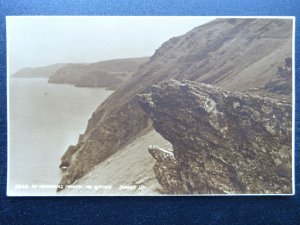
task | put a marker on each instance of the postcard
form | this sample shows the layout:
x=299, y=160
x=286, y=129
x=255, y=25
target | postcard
x=150, y=106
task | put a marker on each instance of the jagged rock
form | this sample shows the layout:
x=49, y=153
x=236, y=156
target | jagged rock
x=223, y=142
x=286, y=70
x=167, y=170
x=282, y=83
x=67, y=157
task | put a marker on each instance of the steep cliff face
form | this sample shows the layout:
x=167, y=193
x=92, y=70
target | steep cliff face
x=110, y=73
x=238, y=54
x=223, y=142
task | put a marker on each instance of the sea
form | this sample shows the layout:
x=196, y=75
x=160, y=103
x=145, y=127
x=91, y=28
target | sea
x=43, y=120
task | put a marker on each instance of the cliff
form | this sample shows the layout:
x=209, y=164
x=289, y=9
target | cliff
x=109, y=73
x=42, y=71
x=223, y=142
x=237, y=54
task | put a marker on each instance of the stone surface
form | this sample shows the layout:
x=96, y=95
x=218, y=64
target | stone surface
x=167, y=170
x=283, y=82
x=223, y=142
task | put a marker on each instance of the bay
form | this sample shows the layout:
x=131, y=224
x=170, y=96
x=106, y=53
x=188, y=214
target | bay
x=44, y=119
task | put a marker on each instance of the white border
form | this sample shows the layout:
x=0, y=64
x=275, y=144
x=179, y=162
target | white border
x=7, y=108
x=159, y=195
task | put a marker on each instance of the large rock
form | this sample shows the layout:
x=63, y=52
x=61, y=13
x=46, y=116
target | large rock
x=223, y=142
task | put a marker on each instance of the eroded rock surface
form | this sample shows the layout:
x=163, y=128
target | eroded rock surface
x=223, y=142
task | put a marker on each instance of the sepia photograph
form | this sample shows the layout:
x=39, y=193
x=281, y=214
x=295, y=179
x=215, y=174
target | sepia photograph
x=150, y=105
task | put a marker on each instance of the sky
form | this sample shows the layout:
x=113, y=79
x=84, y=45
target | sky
x=34, y=41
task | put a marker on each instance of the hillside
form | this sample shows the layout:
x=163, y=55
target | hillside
x=43, y=71
x=134, y=168
x=236, y=54
x=109, y=73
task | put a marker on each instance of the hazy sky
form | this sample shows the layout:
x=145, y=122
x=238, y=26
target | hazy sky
x=38, y=41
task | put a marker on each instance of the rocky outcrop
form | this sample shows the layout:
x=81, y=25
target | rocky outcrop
x=167, y=170
x=235, y=54
x=223, y=142
x=117, y=130
x=283, y=82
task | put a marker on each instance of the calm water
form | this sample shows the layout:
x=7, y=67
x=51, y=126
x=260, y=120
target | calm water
x=44, y=119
